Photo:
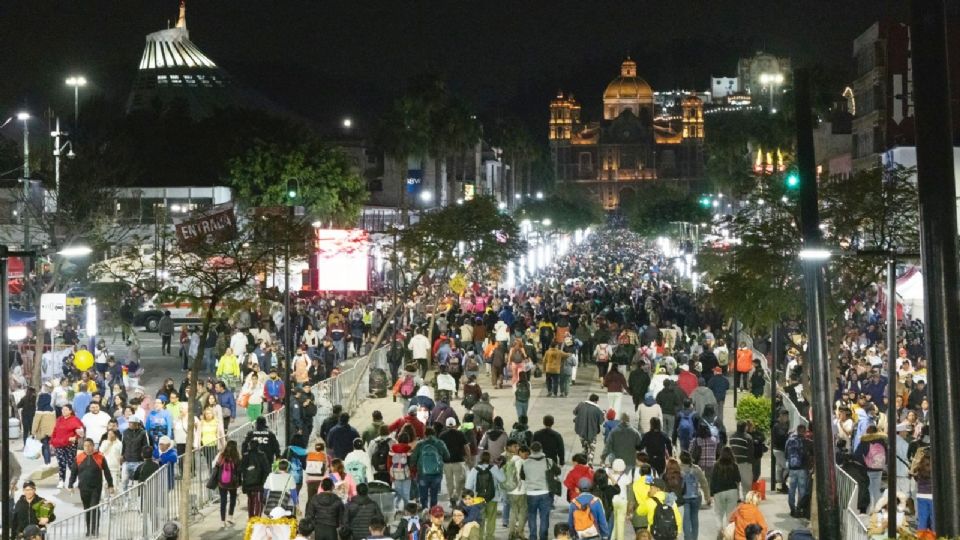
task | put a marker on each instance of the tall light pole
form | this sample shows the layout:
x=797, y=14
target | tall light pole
x=57, y=152
x=25, y=118
x=76, y=81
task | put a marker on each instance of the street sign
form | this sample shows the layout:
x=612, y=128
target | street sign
x=53, y=307
x=215, y=224
x=458, y=284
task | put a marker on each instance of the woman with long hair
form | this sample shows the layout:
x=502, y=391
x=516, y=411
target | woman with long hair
x=922, y=474
x=228, y=471
x=725, y=485
x=66, y=433
x=747, y=514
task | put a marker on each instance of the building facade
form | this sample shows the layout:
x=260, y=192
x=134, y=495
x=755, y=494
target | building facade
x=635, y=144
x=765, y=76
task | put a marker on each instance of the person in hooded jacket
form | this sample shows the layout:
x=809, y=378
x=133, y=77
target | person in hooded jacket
x=326, y=513
x=587, y=421
x=647, y=410
x=361, y=510
x=43, y=422
x=580, y=470
x=638, y=384
x=495, y=439
x=623, y=441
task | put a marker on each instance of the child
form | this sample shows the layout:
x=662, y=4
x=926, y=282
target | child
x=561, y=531
x=409, y=526
x=610, y=423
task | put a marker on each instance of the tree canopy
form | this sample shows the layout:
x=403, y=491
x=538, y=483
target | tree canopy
x=568, y=210
x=307, y=174
x=655, y=210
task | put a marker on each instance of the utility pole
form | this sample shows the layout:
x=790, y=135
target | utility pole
x=26, y=181
x=891, y=392
x=938, y=249
x=824, y=472
x=776, y=351
x=287, y=346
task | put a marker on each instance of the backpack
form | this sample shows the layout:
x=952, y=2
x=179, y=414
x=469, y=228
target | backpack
x=412, y=529
x=357, y=470
x=583, y=521
x=714, y=431
x=380, y=453
x=794, y=452
x=876, y=457
x=801, y=534
x=316, y=467
x=295, y=470
x=522, y=436
x=664, y=525
x=685, y=426
x=691, y=486
x=399, y=469
x=603, y=354
x=226, y=473
x=252, y=475
x=430, y=460
x=472, y=364
x=408, y=388
x=511, y=476
x=485, y=486
x=723, y=358
x=523, y=392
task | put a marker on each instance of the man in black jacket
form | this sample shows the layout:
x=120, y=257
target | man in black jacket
x=551, y=441
x=133, y=442
x=325, y=512
x=92, y=470
x=266, y=441
x=254, y=468
x=638, y=384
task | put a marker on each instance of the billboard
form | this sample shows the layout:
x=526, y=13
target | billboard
x=342, y=259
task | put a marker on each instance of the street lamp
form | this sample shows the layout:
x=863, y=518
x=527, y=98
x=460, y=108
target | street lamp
x=771, y=80
x=546, y=222
x=57, y=152
x=75, y=251
x=24, y=117
x=76, y=82
x=347, y=123
x=539, y=195
x=426, y=196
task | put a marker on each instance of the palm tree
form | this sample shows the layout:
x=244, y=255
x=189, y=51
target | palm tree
x=453, y=129
x=404, y=132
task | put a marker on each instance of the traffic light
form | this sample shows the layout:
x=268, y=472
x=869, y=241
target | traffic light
x=705, y=201
x=292, y=194
x=792, y=181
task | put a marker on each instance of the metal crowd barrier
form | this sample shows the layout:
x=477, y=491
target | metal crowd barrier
x=141, y=511
x=847, y=493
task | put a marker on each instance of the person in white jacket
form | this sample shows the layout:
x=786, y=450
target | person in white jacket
x=359, y=455
x=501, y=332
x=238, y=343
x=112, y=450
x=647, y=410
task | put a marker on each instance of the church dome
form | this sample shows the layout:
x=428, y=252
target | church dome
x=628, y=85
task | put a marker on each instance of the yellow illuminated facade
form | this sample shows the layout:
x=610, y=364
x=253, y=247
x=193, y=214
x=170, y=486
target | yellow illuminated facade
x=632, y=145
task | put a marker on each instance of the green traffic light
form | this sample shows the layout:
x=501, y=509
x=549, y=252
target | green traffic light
x=793, y=180
x=292, y=194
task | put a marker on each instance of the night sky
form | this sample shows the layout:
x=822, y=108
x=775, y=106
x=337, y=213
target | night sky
x=327, y=59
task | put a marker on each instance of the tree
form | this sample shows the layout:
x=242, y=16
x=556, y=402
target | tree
x=404, y=132
x=730, y=137
x=306, y=174
x=453, y=129
x=759, y=278
x=656, y=210
x=567, y=210
x=217, y=277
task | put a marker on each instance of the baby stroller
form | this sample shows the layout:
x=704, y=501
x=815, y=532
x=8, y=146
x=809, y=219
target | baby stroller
x=382, y=493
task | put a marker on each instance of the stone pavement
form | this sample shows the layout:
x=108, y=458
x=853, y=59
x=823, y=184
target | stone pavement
x=775, y=508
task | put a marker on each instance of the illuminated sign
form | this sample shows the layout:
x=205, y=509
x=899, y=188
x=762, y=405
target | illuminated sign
x=342, y=259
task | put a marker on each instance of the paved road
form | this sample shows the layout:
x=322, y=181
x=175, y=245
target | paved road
x=775, y=508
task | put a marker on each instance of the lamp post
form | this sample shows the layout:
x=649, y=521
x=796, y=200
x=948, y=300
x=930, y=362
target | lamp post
x=57, y=152
x=5, y=497
x=76, y=82
x=25, y=118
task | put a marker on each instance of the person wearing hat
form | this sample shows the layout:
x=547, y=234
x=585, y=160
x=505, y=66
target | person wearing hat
x=32, y=532
x=435, y=530
x=586, y=516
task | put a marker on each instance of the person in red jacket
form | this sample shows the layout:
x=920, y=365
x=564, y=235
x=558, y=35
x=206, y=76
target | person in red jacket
x=580, y=470
x=66, y=432
x=687, y=380
x=410, y=418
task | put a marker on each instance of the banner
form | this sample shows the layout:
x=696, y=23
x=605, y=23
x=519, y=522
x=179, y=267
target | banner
x=215, y=224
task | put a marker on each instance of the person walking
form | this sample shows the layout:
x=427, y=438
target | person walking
x=746, y=514
x=586, y=516
x=551, y=440
x=724, y=485
x=616, y=385
x=228, y=479
x=484, y=480
x=671, y=400
x=66, y=433
x=553, y=366
x=872, y=453
x=453, y=466
x=43, y=423
x=779, y=434
x=657, y=445
x=429, y=455
x=622, y=442
x=535, y=471
x=741, y=443
x=326, y=512
x=521, y=395
x=694, y=483
x=587, y=422
x=362, y=511
x=133, y=441
x=92, y=472
x=253, y=469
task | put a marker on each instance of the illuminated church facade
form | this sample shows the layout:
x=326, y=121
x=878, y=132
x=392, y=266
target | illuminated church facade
x=634, y=145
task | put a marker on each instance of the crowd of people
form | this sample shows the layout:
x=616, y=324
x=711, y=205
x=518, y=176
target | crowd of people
x=653, y=446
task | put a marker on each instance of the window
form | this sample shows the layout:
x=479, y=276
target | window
x=585, y=163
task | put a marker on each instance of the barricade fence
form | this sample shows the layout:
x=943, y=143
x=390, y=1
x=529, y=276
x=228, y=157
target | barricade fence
x=847, y=493
x=141, y=511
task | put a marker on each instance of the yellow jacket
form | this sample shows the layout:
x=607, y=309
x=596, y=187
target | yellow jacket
x=653, y=502
x=641, y=492
x=228, y=365
x=553, y=360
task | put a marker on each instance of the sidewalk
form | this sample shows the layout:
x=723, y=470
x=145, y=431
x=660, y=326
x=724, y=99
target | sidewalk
x=775, y=508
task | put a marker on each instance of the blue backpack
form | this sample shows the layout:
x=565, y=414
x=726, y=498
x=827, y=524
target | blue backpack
x=691, y=487
x=685, y=425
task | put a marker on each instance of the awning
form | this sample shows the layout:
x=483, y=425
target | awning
x=21, y=317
